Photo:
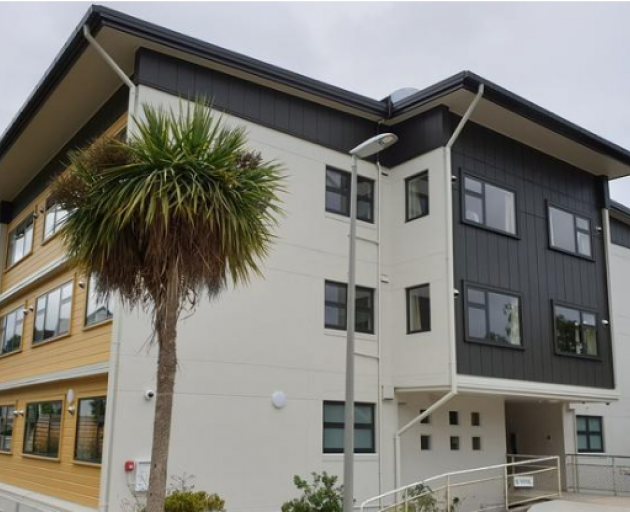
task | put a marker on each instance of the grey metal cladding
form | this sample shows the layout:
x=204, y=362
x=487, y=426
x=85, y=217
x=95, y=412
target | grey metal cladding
x=526, y=264
x=619, y=233
x=115, y=107
x=262, y=105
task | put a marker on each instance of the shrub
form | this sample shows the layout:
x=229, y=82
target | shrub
x=193, y=501
x=323, y=495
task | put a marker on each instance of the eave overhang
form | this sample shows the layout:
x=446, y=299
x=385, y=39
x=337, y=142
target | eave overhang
x=79, y=82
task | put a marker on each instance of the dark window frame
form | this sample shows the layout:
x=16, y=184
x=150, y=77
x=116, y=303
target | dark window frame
x=581, y=310
x=337, y=304
x=485, y=181
x=408, y=292
x=61, y=433
x=475, y=419
x=8, y=415
x=57, y=224
x=427, y=438
x=347, y=192
x=588, y=433
x=576, y=230
x=455, y=443
x=29, y=219
x=421, y=174
x=45, y=296
x=19, y=314
x=77, y=429
x=500, y=291
x=475, y=443
x=453, y=418
x=357, y=426
x=426, y=420
x=107, y=303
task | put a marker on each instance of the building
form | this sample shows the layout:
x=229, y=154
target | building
x=492, y=279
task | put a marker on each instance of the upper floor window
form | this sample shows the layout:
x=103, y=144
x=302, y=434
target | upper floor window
x=590, y=434
x=336, y=310
x=11, y=331
x=338, y=195
x=42, y=428
x=55, y=217
x=90, y=430
x=417, y=196
x=364, y=427
x=98, y=309
x=576, y=331
x=6, y=427
x=489, y=206
x=20, y=241
x=569, y=232
x=418, y=309
x=493, y=316
x=52, y=313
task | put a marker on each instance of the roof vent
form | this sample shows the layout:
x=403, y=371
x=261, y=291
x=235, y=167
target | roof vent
x=403, y=93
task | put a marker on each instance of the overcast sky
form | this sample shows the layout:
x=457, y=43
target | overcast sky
x=571, y=58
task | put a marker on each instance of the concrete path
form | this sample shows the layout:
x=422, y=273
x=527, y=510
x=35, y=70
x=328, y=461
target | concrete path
x=584, y=503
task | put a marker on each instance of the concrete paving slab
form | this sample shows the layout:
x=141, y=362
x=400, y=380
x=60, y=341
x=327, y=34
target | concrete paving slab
x=584, y=504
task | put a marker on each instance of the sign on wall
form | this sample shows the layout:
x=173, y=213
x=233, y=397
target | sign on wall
x=523, y=482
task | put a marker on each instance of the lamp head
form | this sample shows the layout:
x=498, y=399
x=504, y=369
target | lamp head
x=374, y=145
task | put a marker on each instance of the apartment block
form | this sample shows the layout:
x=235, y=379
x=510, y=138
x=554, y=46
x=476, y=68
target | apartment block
x=492, y=289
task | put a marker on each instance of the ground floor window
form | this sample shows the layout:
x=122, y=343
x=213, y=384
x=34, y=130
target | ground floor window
x=364, y=427
x=6, y=427
x=90, y=430
x=590, y=434
x=42, y=430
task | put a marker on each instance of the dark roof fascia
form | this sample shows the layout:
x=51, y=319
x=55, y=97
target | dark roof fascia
x=240, y=62
x=63, y=62
x=620, y=209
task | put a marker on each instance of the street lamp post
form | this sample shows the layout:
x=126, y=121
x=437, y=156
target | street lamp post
x=368, y=148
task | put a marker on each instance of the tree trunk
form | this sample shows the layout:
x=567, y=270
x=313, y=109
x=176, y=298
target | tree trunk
x=166, y=317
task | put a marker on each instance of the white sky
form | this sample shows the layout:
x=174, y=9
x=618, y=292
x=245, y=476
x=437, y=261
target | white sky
x=571, y=58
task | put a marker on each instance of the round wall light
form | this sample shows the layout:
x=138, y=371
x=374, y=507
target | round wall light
x=279, y=400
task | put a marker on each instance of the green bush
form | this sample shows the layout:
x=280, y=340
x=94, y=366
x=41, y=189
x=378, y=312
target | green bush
x=193, y=501
x=323, y=495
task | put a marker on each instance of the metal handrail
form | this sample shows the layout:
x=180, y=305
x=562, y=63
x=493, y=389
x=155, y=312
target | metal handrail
x=451, y=474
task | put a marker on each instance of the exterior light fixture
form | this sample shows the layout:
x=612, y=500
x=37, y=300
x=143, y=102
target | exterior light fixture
x=279, y=400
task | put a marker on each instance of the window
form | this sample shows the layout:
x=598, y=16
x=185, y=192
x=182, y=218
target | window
x=453, y=418
x=334, y=417
x=55, y=217
x=417, y=196
x=90, y=430
x=6, y=427
x=97, y=310
x=455, y=443
x=42, y=430
x=476, y=443
x=425, y=443
x=20, y=242
x=576, y=331
x=489, y=206
x=569, y=232
x=590, y=434
x=52, y=313
x=338, y=195
x=475, y=419
x=336, y=307
x=427, y=419
x=11, y=331
x=493, y=317
x=418, y=309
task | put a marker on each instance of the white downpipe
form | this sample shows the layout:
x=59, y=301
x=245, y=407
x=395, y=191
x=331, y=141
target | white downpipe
x=114, y=358
x=611, y=312
x=379, y=305
x=452, y=356
x=133, y=90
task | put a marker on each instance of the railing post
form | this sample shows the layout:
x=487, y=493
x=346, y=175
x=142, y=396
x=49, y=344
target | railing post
x=614, y=472
x=559, y=476
x=406, y=507
x=507, y=495
x=448, y=493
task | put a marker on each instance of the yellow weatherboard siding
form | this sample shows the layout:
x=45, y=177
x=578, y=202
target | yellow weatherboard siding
x=81, y=347
x=63, y=477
